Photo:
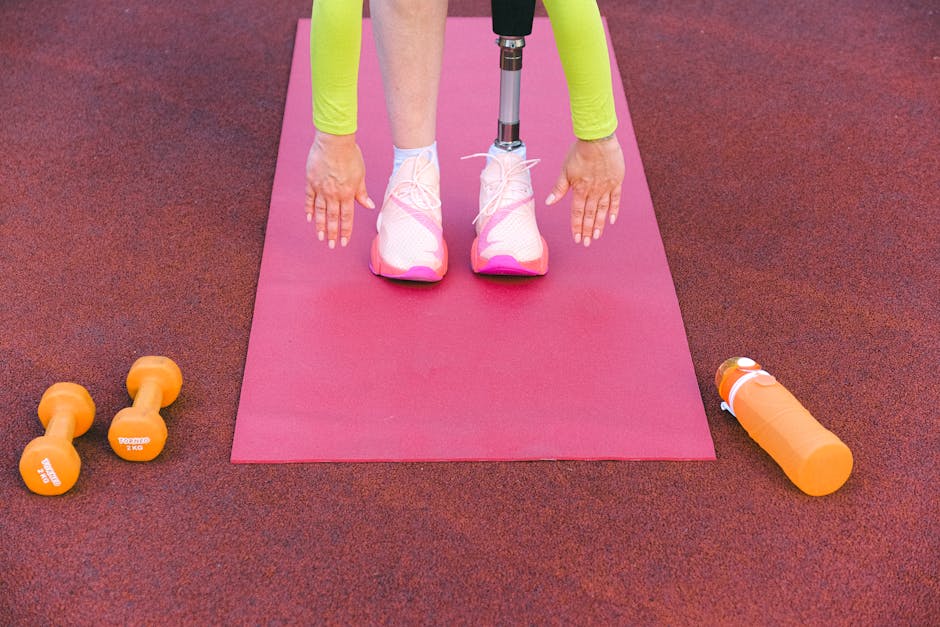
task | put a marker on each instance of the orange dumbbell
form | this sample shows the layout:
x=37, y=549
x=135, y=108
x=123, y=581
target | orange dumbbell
x=50, y=464
x=813, y=457
x=138, y=433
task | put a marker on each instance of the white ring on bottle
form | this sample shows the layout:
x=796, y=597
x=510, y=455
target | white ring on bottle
x=737, y=386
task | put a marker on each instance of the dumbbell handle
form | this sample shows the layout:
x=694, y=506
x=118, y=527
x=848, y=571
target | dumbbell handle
x=61, y=425
x=149, y=396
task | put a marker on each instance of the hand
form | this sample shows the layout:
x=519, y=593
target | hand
x=593, y=171
x=336, y=177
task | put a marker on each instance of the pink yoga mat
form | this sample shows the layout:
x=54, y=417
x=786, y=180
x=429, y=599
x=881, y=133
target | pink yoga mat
x=588, y=362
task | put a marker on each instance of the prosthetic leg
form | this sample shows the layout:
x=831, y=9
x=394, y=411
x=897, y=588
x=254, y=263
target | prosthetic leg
x=512, y=22
x=508, y=239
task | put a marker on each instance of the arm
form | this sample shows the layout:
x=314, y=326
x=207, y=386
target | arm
x=594, y=166
x=335, y=170
x=582, y=47
x=335, y=43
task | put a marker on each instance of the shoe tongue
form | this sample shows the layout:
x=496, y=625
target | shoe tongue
x=418, y=170
x=430, y=176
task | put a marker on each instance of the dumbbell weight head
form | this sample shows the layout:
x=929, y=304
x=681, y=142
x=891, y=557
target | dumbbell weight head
x=162, y=369
x=72, y=398
x=49, y=464
x=138, y=433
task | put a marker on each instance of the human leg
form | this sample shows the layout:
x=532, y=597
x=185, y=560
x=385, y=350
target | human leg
x=409, y=36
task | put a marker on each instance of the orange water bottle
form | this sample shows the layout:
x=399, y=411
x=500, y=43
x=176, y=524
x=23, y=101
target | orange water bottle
x=812, y=457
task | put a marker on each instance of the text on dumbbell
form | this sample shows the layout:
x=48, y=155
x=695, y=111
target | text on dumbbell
x=49, y=473
x=144, y=440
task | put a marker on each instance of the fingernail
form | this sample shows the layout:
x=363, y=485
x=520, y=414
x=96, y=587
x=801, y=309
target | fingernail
x=309, y=217
x=370, y=204
x=577, y=238
x=597, y=233
x=343, y=241
x=550, y=199
x=320, y=235
x=612, y=218
x=332, y=243
x=587, y=242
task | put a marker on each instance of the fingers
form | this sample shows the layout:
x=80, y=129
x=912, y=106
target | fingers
x=577, y=217
x=559, y=191
x=319, y=216
x=590, y=213
x=309, y=198
x=346, y=221
x=333, y=218
x=363, y=198
x=587, y=225
x=603, y=209
x=332, y=221
x=614, y=204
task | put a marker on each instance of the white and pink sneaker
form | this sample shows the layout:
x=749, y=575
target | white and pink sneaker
x=410, y=243
x=508, y=239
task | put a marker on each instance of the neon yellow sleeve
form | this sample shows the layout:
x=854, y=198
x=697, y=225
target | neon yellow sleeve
x=335, y=43
x=582, y=46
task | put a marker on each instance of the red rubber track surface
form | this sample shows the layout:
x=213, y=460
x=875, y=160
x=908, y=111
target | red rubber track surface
x=792, y=154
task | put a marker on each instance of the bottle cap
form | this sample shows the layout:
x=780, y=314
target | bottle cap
x=730, y=371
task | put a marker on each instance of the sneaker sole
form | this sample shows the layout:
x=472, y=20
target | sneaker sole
x=508, y=265
x=423, y=274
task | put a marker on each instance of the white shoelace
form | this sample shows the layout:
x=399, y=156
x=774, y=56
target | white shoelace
x=418, y=194
x=507, y=182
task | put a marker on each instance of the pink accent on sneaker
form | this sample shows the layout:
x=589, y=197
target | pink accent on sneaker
x=410, y=244
x=423, y=218
x=501, y=215
x=506, y=197
x=414, y=273
x=506, y=264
